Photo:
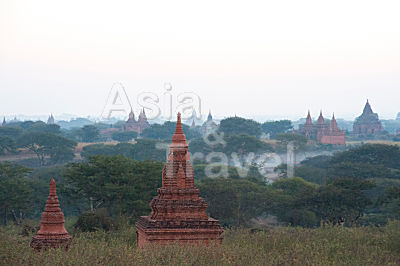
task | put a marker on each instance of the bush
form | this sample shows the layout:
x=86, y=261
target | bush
x=94, y=221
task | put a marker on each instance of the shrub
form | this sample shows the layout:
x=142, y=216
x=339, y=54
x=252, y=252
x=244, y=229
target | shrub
x=94, y=221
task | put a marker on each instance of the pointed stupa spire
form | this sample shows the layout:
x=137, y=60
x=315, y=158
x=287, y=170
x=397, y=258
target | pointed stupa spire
x=179, y=138
x=209, y=118
x=52, y=232
x=4, y=121
x=308, y=120
x=333, y=124
x=50, y=120
x=321, y=119
x=131, y=116
x=178, y=154
x=367, y=108
x=193, y=123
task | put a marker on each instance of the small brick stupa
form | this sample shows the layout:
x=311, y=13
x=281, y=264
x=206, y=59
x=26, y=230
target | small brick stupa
x=178, y=213
x=52, y=233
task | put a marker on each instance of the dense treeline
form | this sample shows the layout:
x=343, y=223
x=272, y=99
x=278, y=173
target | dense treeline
x=124, y=187
x=356, y=186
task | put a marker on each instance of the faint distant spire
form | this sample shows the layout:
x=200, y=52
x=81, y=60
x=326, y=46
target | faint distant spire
x=321, y=119
x=209, y=118
x=309, y=120
x=367, y=108
x=4, y=121
x=131, y=115
x=333, y=125
x=50, y=121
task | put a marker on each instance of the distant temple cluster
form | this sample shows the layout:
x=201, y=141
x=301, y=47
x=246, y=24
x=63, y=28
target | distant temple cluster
x=323, y=132
x=136, y=126
x=366, y=125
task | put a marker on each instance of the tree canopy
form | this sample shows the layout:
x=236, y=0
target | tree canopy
x=58, y=148
x=121, y=185
x=275, y=127
x=239, y=125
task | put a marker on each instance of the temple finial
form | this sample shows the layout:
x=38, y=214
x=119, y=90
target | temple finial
x=178, y=129
x=53, y=187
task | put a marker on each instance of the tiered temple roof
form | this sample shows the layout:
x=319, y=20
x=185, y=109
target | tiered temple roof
x=52, y=233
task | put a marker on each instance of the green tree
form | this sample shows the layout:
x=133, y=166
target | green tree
x=15, y=192
x=58, y=148
x=10, y=132
x=89, y=133
x=375, y=154
x=240, y=144
x=143, y=149
x=124, y=136
x=121, y=185
x=299, y=141
x=389, y=201
x=293, y=206
x=41, y=126
x=342, y=200
x=235, y=201
x=238, y=126
x=7, y=145
x=275, y=127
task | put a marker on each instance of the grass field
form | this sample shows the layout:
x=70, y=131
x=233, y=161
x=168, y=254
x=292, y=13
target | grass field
x=277, y=246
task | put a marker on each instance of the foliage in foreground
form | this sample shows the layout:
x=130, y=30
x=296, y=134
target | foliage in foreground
x=277, y=246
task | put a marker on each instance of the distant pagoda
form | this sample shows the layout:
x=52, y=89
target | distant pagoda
x=178, y=213
x=209, y=126
x=50, y=120
x=368, y=124
x=136, y=126
x=52, y=233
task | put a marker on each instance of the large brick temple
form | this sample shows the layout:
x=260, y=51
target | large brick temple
x=323, y=132
x=178, y=213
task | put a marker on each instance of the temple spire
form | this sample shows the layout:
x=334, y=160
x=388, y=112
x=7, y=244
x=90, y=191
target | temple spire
x=209, y=118
x=131, y=115
x=309, y=120
x=4, y=121
x=178, y=129
x=367, y=108
x=321, y=119
x=333, y=124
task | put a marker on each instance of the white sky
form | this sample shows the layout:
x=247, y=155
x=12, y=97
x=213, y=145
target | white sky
x=273, y=58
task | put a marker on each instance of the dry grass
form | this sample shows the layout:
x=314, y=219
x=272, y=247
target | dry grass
x=278, y=246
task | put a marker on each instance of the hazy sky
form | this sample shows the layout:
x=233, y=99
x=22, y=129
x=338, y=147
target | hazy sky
x=273, y=58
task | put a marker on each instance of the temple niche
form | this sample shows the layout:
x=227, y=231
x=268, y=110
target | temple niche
x=52, y=233
x=368, y=124
x=178, y=213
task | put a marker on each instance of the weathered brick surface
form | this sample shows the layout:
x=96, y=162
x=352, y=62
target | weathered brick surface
x=52, y=233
